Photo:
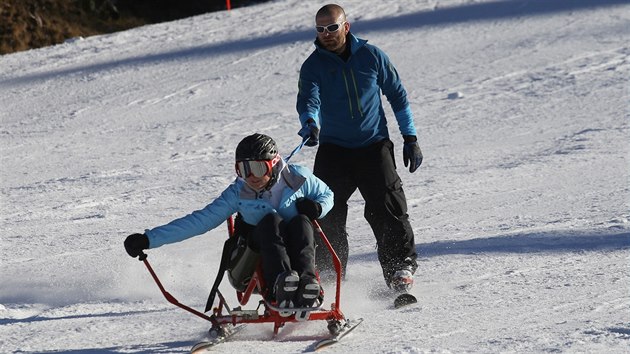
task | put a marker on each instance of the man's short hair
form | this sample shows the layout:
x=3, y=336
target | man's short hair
x=331, y=10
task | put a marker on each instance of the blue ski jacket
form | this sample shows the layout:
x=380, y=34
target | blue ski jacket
x=294, y=182
x=344, y=97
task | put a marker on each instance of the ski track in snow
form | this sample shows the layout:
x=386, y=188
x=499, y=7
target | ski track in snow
x=520, y=208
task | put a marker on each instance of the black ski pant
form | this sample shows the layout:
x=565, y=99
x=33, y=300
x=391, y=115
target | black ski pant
x=284, y=246
x=372, y=170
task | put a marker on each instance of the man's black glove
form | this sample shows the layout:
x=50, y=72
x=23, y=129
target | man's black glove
x=310, y=208
x=412, y=156
x=135, y=243
x=310, y=131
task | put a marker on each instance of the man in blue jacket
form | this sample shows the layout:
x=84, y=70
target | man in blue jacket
x=339, y=106
x=277, y=202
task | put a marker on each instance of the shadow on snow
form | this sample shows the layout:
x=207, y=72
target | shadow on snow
x=166, y=347
x=541, y=242
x=537, y=242
x=38, y=318
x=472, y=12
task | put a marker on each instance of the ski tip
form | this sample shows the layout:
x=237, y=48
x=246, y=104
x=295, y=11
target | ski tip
x=347, y=328
x=404, y=300
x=324, y=344
x=226, y=332
x=200, y=348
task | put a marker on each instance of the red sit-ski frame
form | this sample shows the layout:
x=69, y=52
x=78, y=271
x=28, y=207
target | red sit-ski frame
x=270, y=313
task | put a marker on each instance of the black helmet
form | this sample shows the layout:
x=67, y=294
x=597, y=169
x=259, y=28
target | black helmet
x=256, y=147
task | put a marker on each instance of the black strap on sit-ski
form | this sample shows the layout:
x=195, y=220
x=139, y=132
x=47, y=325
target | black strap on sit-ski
x=228, y=246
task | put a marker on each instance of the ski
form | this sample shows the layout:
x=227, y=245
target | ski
x=224, y=334
x=396, y=298
x=404, y=299
x=345, y=330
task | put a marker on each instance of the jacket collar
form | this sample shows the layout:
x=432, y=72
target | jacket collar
x=355, y=44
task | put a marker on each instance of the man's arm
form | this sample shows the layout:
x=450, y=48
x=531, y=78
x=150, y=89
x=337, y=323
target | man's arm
x=393, y=89
x=308, y=101
x=396, y=94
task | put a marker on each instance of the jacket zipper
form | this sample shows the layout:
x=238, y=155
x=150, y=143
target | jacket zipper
x=345, y=80
x=356, y=92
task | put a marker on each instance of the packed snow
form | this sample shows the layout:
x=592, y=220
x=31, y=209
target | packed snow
x=520, y=209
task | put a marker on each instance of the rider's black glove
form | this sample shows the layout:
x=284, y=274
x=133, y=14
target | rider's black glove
x=135, y=244
x=310, y=208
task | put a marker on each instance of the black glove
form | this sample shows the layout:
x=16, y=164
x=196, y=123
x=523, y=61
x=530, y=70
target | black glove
x=310, y=208
x=310, y=131
x=134, y=244
x=412, y=156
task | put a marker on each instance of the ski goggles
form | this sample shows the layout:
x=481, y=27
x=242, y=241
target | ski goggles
x=256, y=168
x=331, y=28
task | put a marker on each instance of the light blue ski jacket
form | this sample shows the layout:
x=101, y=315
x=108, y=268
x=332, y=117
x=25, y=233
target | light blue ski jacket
x=294, y=182
x=344, y=98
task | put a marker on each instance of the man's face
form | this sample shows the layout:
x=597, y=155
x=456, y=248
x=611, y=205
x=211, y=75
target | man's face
x=333, y=41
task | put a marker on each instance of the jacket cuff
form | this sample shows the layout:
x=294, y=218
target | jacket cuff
x=410, y=138
x=405, y=122
x=306, y=116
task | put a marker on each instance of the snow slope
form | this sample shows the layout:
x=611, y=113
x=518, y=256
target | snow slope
x=520, y=209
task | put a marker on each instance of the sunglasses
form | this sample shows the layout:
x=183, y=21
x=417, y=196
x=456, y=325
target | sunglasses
x=256, y=168
x=333, y=27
